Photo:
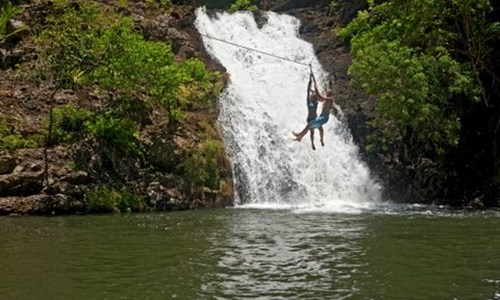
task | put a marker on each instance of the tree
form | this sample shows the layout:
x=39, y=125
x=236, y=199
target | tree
x=412, y=57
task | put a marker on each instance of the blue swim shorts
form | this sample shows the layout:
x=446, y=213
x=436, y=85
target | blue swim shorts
x=319, y=121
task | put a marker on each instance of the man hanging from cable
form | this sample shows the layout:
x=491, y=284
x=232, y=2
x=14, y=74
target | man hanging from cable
x=318, y=121
x=312, y=106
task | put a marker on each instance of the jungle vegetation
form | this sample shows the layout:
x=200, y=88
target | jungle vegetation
x=90, y=45
x=433, y=68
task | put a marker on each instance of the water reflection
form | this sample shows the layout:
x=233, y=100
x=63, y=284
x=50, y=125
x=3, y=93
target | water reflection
x=266, y=254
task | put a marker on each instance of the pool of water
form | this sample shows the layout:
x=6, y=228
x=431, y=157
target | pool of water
x=404, y=253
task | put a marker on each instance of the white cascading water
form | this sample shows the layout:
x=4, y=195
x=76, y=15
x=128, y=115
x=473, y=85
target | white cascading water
x=261, y=106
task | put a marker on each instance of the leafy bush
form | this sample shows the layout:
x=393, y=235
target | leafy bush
x=83, y=44
x=10, y=139
x=102, y=200
x=86, y=45
x=68, y=123
x=7, y=11
x=71, y=122
x=242, y=5
x=130, y=64
x=202, y=166
x=405, y=54
x=105, y=200
x=115, y=132
x=131, y=202
x=65, y=48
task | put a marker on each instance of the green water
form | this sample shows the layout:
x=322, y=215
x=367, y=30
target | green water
x=252, y=254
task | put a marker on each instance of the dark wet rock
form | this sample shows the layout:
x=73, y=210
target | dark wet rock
x=7, y=164
x=260, y=18
x=287, y=5
x=21, y=205
x=40, y=204
x=210, y=196
x=140, y=6
x=477, y=203
x=164, y=199
x=21, y=184
x=65, y=96
x=161, y=152
x=76, y=178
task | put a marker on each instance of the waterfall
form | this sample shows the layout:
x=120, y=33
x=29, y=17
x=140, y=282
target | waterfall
x=261, y=106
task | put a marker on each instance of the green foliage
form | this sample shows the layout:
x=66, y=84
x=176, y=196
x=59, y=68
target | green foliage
x=102, y=200
x=10, y=139
x=71, y=123
x=105, y=200
x=65, y=47
x=7, y=11
x=163, y=4
x=131, y=202
x=87, y=45
x=122, y=3
x=242, y=5
x=68, y=123
x=404, y=53
x=202, y=166
x=130, y=64
x=114, y=132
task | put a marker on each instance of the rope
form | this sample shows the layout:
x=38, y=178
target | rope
x=309, y=88
x=326, y=21
x=333, y=78
x=256, y=50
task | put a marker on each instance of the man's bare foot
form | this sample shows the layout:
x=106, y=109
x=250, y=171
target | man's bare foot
x=298, y=138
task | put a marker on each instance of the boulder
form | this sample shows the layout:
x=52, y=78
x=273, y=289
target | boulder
x=40, y=204
x=21, y=205
x=21, y=184
x=78, y=177
x=7, y=164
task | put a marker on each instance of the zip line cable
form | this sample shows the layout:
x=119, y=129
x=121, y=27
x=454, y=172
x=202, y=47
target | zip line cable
x=256, y=50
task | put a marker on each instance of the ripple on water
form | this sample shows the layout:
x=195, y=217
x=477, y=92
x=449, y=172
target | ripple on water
x=282, y=259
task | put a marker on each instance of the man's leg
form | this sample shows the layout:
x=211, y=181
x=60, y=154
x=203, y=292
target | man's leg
x=300, y=135
x=321, y=133
x=311, y=131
